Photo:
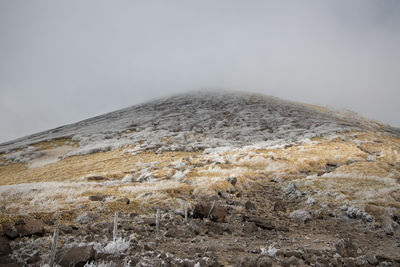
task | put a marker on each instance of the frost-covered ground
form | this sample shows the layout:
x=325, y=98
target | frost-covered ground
x=197, y=121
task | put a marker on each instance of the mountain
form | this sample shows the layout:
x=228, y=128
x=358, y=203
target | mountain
x=280, y=182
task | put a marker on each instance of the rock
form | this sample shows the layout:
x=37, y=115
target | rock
x=264, y=223
x=24, y=227
x=77, y=256
x=249, y=227
x=7, y=261
x=232, y=180
x=197, y=227
x=346, y=248
x=291, y=192
x=202, y=209
x=371, y=259
x=175, y=233
x=291, y=261
x=301, y=216
x=124, y=200
x=264, y=261
x=99, y=197
x=279, y=206
x=215, y=228
x=5, y=248
x=249, y=205
x=95, y=178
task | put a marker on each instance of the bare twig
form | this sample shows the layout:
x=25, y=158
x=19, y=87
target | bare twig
x=158, y=214
x=54, y=247
x=211, y=209
x=115, y=226
x=186, y=212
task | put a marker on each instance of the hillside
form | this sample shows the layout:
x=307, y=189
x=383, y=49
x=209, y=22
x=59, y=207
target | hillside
x=293, y=184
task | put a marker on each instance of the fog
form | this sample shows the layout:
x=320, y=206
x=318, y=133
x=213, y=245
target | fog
x=64, y=61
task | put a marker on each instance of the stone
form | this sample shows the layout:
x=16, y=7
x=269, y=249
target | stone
x=291, y=261
x=371, y=259
x=301, y=216
x=124, y=200
x=24, y=227
x=215, y=228
x=95, y=178
x=232, y=180
x=346, y=248
x=99, y=197
x=5, y=248
x=202, y=209
x=279, y=206
x=7, y=261
x=77, y=256
x=249, y=205
x=264, y=261
x=264, y=223
x=249, y=227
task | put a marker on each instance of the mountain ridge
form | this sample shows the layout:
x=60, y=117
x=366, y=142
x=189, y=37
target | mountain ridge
x=196, y=102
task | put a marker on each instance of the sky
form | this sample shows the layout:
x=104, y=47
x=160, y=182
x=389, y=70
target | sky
x=65, y=61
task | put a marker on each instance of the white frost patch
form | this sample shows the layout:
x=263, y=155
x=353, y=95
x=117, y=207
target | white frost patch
x=127, y=179
x=178, y=175
x=360, y=176
x=151, y=186
x=116, y=247
x=23, y=156
x=50, y=156
x=271, y=251
x=45, y=195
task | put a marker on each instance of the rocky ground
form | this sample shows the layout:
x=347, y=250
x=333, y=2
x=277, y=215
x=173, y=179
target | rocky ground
x=257, y=226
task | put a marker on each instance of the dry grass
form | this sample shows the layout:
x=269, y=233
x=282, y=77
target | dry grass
x=357, y=178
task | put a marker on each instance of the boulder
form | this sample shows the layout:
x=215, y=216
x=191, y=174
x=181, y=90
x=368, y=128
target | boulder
x=24, y=227
x=77, y=256
x=202, y=209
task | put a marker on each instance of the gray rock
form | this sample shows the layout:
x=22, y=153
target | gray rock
x=301, y=216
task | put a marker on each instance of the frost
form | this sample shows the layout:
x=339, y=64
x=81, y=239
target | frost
x=127, y=179
x=23, y=156
x=224, y=122
x=357, y=213
x=84, y=218
x=178, y=176
x=300, y=215
x=310, y=201
x=271, y=251
x=291, y=191
x=118, y=246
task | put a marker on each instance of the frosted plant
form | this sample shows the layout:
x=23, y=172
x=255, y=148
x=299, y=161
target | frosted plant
x=118, y=246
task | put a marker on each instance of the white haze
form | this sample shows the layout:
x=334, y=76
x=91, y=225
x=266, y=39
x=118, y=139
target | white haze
x=64, y=61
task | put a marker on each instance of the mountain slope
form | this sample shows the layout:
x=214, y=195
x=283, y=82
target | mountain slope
x=300, y=176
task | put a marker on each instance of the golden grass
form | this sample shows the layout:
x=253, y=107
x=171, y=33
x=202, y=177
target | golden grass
x=355, y=178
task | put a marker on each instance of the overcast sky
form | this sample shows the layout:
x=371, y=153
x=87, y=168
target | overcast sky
x=64, y=61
